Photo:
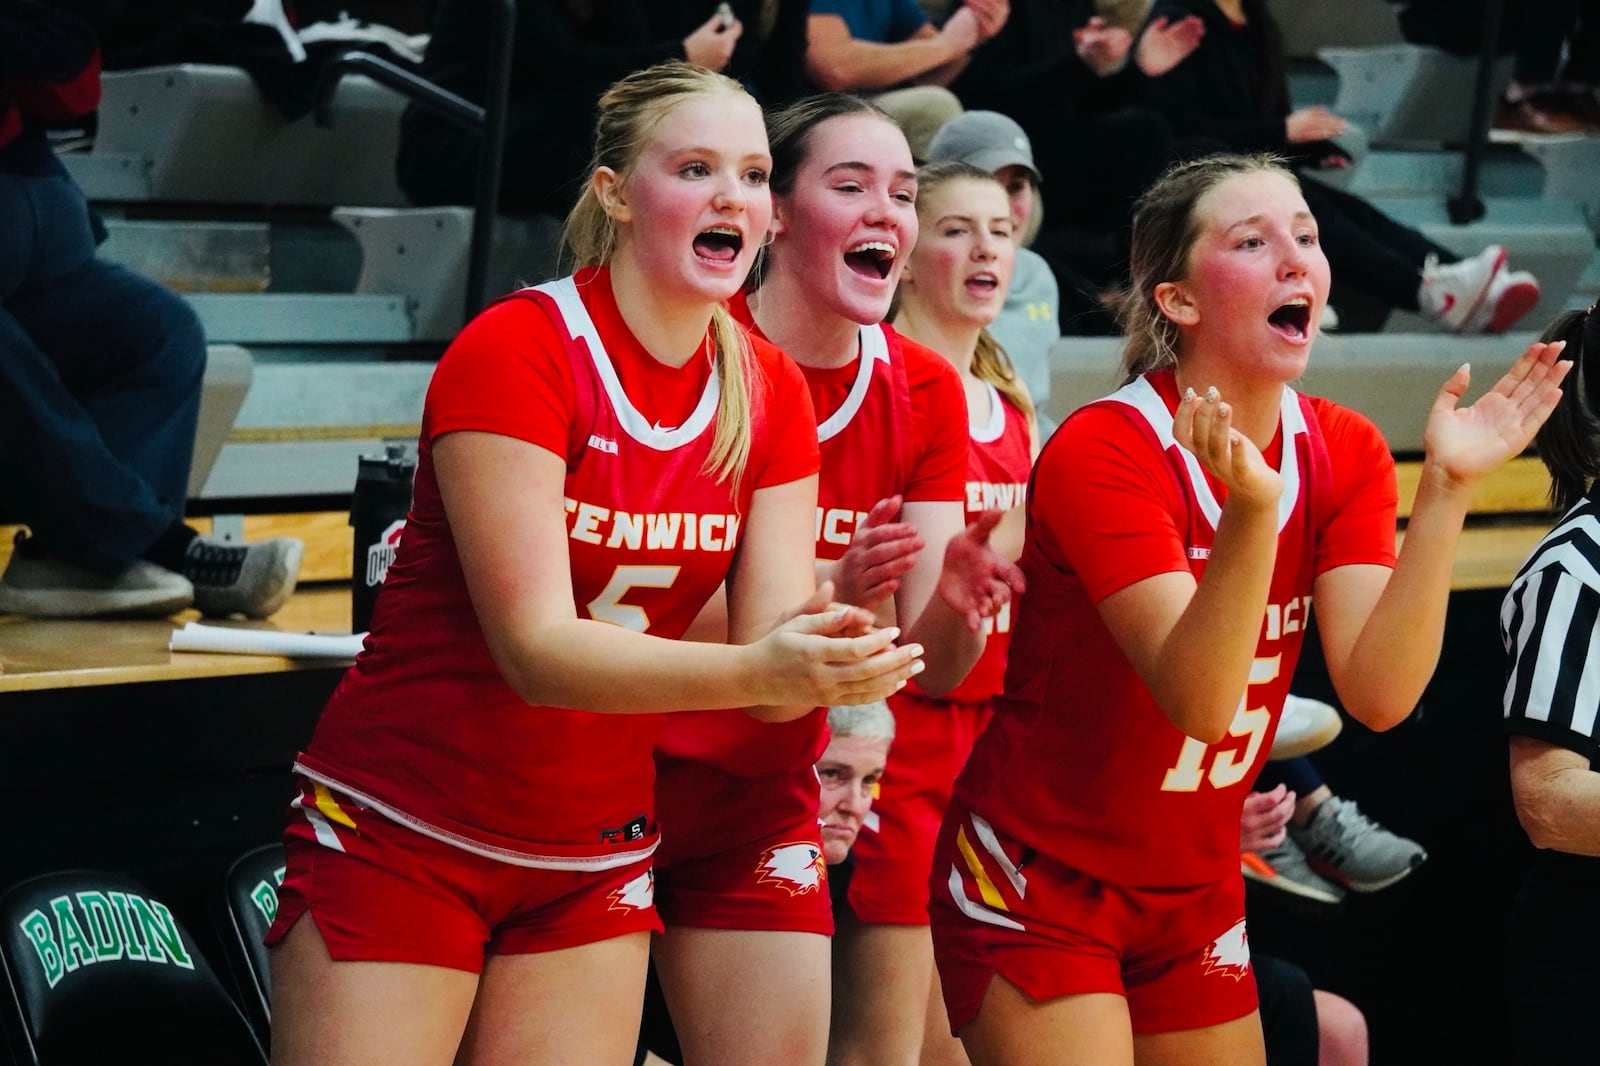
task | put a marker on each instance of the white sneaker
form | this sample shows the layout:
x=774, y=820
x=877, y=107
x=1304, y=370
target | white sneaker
x=42, y=587
x=1451, y=293
x=1512, y=294
x=1304, y=726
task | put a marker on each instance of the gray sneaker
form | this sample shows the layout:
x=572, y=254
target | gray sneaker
x=1345, y=845
x=248, y=579
x=42, y=587
x=1285, y=869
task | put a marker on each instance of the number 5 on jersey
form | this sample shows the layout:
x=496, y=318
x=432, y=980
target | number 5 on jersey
x=608, y=605
x=1228, y=765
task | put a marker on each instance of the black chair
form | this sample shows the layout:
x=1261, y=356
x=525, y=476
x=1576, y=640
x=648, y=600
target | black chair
x=98, y=969
x=250, y=895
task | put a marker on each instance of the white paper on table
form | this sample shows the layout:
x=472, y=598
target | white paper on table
x=198, y=637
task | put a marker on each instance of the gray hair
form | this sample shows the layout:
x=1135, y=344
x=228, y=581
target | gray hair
x=872, y=721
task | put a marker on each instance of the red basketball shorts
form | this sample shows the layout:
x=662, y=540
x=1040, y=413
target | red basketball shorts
x=380, y=891
x=740, y=852
x=1179, y=956
x=894, y=851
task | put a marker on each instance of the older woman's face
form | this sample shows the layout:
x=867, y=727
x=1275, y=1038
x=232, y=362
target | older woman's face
x=849, y=771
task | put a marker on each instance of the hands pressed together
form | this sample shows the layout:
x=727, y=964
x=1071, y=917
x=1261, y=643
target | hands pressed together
x=825, y=652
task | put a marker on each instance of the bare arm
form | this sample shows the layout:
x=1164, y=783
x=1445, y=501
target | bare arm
x=513, y=550
x=1381, y=632
x=1557, y=796
x=835, y=60
x=1192, y=643
x=953, y=648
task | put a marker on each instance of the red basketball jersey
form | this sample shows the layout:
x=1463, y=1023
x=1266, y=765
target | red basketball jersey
x=424, y=728
x=999, y=459
x=892, y=421
x=1079, y=762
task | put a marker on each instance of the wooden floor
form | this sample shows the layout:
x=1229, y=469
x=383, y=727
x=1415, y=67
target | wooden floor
x=43, y=654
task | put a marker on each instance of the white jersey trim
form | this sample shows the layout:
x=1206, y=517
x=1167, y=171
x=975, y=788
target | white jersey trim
x=564, y=291
x=874, y=350
x=1142, y=397
x=530, y=860
x=991, y=431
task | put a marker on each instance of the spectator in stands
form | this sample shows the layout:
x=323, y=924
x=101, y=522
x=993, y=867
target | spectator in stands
x=1030, y=321
x=889, y=49
x=1549, y=623
x=1074, y=83
x=1557, y=49
x=1301, y=1025
x=1330, y=845
x=100, y=376
x=566, y=53
x=475, y=809
x=1234, y=89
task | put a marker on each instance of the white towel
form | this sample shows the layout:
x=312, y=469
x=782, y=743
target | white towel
x=197, y=637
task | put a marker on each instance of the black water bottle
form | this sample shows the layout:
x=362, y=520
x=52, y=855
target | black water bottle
x=378, y=509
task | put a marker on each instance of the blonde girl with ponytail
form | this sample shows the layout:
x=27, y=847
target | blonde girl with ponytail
x=474, y=833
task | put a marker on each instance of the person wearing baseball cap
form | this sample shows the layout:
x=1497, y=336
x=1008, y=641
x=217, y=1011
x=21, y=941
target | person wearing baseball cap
x=1030, y=322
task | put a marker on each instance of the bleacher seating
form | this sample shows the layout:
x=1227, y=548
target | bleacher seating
x=99, y=970
x=250, y=902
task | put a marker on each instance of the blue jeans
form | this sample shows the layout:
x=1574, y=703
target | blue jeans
x=100, y=373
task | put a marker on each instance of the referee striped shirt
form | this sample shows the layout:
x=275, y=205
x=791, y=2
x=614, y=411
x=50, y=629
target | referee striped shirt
x=1550, y=625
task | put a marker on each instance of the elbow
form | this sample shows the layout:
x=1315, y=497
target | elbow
x=1541, y=831
x=1380, y=717
x=830, y=77
x=1539, y=815
x=1208, y=725
x=936, y=683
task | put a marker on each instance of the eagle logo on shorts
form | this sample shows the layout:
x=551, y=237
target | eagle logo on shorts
x=637, y=895
x=1229, y=954
x=795, y=868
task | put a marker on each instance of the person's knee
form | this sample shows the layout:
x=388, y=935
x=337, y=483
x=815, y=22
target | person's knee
x=1341, y=1031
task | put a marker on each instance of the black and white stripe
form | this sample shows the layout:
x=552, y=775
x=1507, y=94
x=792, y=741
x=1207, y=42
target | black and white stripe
x=1550, y=626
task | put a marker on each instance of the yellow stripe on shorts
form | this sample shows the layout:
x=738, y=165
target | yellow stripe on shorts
x=986, y=889
x=330, y=807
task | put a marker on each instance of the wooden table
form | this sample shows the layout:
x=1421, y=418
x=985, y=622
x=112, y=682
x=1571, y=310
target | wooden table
x=117, y=753
x=50, y=654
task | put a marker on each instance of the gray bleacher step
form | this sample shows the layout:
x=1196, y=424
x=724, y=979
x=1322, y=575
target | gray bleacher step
x=1547, y=236
x=303, y=425
x=304, y=318
x=1391, y=378
x=1405, y=94
x=110, y=176
x=193, y=256
x=205, y=134
x=1437, y=173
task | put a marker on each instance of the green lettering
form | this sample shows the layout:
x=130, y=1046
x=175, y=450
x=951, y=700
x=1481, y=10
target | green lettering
x=265, y=897
x=104, y=932
x=38, y=930
x=75, y=947
x=159, y=930
x=127, y=926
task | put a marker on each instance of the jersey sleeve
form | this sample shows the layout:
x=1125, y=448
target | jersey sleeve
x=939, y=421
x=792, y=451
x=507, y=373
x=1361, y=528
x=1104, y=506
x=1553, y=622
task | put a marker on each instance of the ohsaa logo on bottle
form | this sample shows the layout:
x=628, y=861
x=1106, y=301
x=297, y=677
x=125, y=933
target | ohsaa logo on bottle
x=381, y=554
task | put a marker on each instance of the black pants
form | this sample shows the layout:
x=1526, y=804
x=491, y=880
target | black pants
x=1553, y=969
x=1369, y=251
x=1533, y=30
